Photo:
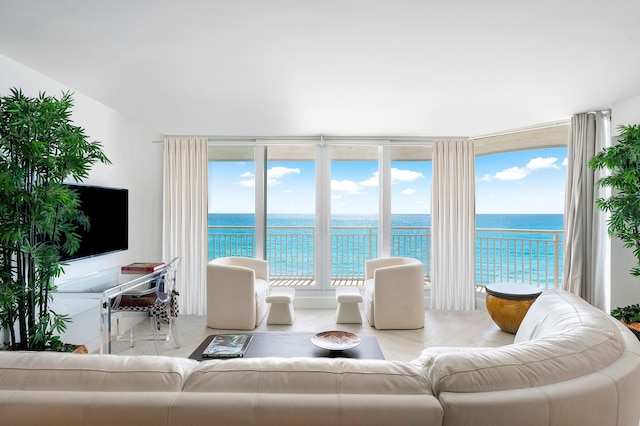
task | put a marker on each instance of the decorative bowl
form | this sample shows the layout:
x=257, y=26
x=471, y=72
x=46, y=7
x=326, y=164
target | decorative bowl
x=336, y=340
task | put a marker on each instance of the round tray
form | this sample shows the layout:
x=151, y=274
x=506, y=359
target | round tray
x=336, y=340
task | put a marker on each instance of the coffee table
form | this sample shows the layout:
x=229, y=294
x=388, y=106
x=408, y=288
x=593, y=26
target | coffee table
x=296, y=344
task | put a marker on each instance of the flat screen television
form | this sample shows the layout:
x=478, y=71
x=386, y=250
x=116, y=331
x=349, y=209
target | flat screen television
x=108, y=212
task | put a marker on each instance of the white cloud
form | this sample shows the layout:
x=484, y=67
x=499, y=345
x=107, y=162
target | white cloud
x=565, y=162
x=517, y=173
x=249, y=182
x=356, y=188
x=400, y=175
x=372, y=181
x=513, y=173
x=276, y=174
x=542, y=163
x=348, y=186
x=397, y=175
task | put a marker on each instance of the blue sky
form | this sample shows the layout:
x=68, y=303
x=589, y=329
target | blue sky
x=516, y=182
x=521, y=182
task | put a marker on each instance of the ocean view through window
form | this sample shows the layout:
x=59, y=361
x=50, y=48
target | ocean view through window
x=519, y=221
x=511, y=247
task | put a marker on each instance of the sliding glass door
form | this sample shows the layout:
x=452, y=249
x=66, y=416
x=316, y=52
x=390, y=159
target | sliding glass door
x=231, y=211
x=318, y=212
x=410, y=192
x=354, y=212
x=291, y=219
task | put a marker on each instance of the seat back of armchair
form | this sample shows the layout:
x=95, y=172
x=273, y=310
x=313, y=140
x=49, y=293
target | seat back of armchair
x=371, y=265
x=259, y=266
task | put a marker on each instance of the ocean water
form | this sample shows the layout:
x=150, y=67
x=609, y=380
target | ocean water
x=506, y=247
x=485, y=221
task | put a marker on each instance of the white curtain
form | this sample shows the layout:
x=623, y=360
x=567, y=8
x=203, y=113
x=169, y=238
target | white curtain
x=185, y=218
x=586, y=253
x=453, y=222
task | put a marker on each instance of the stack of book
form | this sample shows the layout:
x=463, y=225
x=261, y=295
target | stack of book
x=142, y=267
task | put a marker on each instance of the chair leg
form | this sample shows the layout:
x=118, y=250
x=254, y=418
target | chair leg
x=167, y=317
x=154, y=328
x=117, y=316
x=131, y=326
x=173, y=331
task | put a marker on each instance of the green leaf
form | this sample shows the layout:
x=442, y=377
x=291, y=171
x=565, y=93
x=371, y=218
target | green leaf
x=40, y=148
x=623, y=163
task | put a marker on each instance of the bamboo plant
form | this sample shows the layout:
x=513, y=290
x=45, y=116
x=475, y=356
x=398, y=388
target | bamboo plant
x=40, y=148
x=623, y=163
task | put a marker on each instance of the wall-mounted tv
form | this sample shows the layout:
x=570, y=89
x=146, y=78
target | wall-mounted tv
x=108, y=212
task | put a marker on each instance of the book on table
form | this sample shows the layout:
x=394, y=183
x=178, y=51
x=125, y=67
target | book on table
x=141, y=267
x=227, y=346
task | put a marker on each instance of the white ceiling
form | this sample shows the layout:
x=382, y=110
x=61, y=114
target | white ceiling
x=333, y=67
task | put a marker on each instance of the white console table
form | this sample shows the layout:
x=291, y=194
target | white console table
x=103, y=286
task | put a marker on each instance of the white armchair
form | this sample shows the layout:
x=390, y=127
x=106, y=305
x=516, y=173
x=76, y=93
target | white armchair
x=394, y=293
x=236, y=292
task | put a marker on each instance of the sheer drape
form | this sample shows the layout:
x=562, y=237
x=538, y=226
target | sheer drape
x=185, y=218
x=453, y=221
x=585, y=250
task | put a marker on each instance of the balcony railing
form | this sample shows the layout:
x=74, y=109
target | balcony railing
x=514, y=255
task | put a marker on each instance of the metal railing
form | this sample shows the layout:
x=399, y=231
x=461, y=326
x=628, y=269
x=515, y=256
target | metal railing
x=514, y=255
x=290, y=252
x=517, y=255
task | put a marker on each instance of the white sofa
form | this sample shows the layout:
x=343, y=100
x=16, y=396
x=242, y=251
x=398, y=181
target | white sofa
x=66, y=389
x=571, y=364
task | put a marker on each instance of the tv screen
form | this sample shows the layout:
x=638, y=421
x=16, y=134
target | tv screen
x=108, y=212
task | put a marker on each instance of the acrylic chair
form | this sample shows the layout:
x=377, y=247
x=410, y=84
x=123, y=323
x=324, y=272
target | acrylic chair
x=159, y=301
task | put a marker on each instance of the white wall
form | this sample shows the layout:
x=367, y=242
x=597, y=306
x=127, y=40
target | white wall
x=625, y=288
x=136, y=165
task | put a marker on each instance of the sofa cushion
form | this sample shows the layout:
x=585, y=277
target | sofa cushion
x=311, y=391
x=308, y=375
x=558, y=311
x=71, y=372
x=585, y=346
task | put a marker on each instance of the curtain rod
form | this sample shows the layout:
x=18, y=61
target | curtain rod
x=322, y=140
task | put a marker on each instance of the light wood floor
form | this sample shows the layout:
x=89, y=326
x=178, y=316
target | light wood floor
x=442, y=328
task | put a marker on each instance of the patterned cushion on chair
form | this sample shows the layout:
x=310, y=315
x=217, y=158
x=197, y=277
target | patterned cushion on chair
x=130, y=302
